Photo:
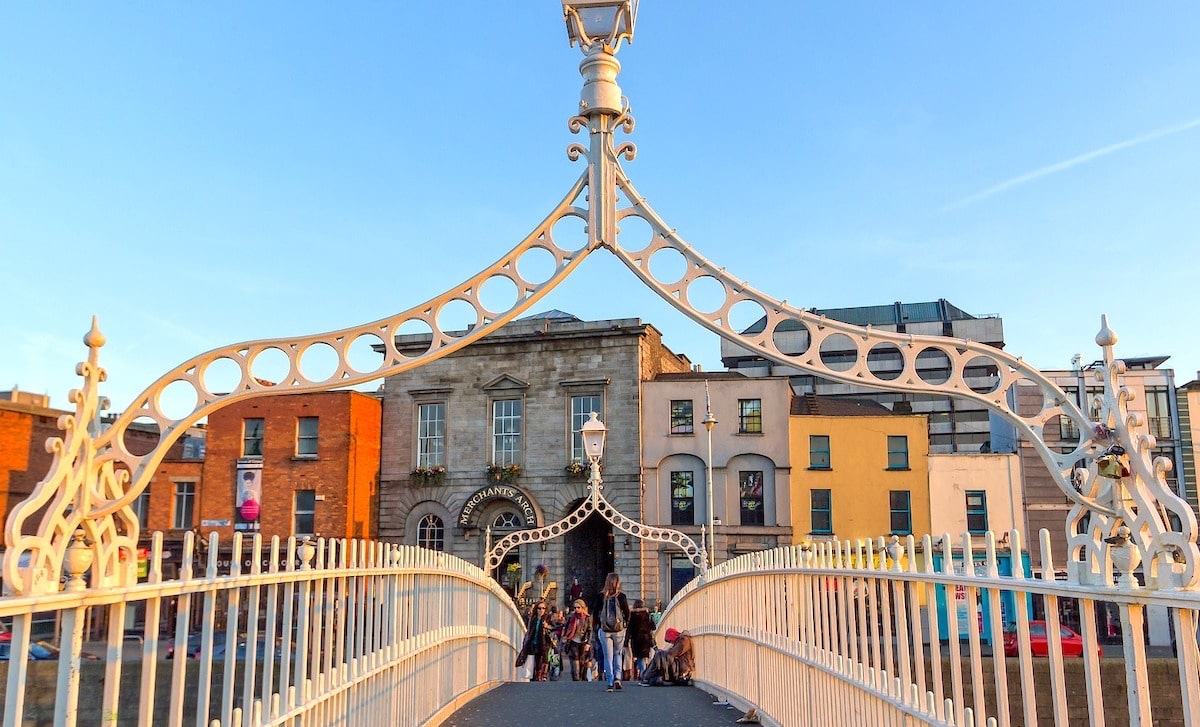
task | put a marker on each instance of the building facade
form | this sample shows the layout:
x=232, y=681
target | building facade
x=975, y=493
x=751, y=465
x=292, y=464
x=486, y=441
x=955, y=425
x=860, y=471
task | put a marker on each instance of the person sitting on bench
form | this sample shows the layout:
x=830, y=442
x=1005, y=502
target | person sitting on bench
x=673, y=665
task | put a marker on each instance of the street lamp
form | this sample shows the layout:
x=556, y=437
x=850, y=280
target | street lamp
x=709, y=422
x=593, y=433
x=607, y=22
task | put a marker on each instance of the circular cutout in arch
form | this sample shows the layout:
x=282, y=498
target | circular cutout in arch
x=457, y=317
x=177, y=399
x=319, y=362
x=982, y=375
x=498, y=294
x=138, y=426
x=667, y=266
x=1029, y=397
x=934, y=366
x=745, y=314
x=413, y=337
x=885, y=361
x=569, y=233
x=706, y=294
x=270, y=366
x=536, y=265
x=791, y=337
x=838, y=352
x=222, y=375
x=634, y=234
x=365, y=353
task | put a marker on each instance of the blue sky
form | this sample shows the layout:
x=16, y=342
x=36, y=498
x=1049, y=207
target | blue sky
x=206, y=173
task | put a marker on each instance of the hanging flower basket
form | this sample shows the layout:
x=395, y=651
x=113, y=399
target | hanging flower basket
x=433, y=475
x=506, y=473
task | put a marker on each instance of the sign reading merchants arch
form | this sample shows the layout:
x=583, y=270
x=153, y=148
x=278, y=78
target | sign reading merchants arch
x=467, y=517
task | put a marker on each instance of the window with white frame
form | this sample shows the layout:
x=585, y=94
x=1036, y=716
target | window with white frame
x=506, y=520
x=682, y=418
x=506, y=431
x=304, y=512
x=431, y=533
x=750, y=416
x=185, y=506
x=306, y=436
x=252, y=437
x=431, y=434
x=581, y=411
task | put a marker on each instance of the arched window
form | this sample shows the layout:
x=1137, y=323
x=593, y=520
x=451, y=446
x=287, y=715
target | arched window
x=431, y=533
x=506, y=520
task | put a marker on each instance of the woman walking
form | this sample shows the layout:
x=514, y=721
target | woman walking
x=613, y=617
x=577, y=640
x=537, y=643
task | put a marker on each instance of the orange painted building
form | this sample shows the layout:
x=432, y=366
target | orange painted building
x=292, y=464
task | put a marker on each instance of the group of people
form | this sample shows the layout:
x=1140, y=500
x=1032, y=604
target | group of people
x=622, y=635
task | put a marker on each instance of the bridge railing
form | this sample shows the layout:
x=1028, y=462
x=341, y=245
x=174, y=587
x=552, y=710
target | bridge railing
x=281, y=633
x=899, y=632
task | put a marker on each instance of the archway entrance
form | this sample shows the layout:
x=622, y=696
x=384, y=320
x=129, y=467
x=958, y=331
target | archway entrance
x=589, y=554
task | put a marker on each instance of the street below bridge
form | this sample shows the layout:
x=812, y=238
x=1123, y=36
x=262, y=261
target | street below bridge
x=577, y=703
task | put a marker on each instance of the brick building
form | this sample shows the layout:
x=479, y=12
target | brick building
x=312, y=459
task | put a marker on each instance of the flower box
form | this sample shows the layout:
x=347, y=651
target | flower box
x=433, y=475
x=507, y=473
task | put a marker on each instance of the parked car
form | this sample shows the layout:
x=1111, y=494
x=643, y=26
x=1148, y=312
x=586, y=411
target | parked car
x=1072, y=642
x=193, y=644
x=38, y=651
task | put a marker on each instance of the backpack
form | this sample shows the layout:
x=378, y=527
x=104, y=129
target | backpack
x=611, y=618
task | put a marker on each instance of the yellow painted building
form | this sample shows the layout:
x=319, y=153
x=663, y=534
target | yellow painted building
x=858, y=471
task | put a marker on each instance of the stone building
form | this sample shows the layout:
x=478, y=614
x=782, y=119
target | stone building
x=751, y=465
x=484, y=439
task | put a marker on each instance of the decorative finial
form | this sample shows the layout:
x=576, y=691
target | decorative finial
x=1107, y=337
x=94, y=338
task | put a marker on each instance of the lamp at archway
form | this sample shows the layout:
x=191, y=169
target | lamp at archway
x=593, y=433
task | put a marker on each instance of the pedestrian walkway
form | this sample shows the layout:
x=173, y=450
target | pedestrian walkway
x=577, y=703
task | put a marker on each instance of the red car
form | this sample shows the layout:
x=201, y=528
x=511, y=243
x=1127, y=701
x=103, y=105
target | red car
x=1072, y=642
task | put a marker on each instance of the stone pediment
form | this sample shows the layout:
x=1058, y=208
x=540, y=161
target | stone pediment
x=505, y=382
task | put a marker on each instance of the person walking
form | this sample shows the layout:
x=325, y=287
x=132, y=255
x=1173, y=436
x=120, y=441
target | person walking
x=613, y=616
x=641, y=636
x=537, y=643
x=577, y=640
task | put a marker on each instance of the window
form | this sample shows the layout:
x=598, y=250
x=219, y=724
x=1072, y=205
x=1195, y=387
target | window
x=431, y=435
x=506, y=520
x=506, y=431
x=977, y=519
x=682, y=421
x=749, y=416
x=141, y=507
x=431, y=533
x=581, y=411
x=252, y=437
x=683, y=498
x=822, y=511
x=305, y=512
x=750, y=486
x=1158, y=411
x=185, y=505
x=901, y=507
x=897, y=453
x=818, y=452
x=306, y=436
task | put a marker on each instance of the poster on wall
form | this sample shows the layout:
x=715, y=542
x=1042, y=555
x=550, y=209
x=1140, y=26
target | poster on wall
x=248, y=486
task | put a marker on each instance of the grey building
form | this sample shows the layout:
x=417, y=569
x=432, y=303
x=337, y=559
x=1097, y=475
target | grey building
x=955, y=425
x=502, y=417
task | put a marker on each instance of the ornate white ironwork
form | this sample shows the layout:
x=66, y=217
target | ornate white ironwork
x=87, y=487
x=595, y=503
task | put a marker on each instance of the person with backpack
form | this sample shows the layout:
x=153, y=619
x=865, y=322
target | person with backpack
x=612, y=617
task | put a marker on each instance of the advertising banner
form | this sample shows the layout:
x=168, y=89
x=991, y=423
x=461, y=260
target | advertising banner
x=248, y=504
